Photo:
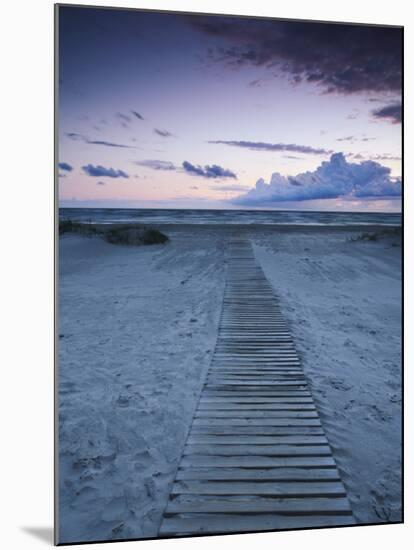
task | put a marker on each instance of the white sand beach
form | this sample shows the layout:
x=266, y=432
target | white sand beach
x=137, y=330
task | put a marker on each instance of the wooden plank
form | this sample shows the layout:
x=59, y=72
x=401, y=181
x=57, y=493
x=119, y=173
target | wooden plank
x=253, y=365
x=252, y=378
x=264, y=349
x=256, y=406
x=279, y=354
x=253, y=450
x=245, y=370
x=242, y=399
x=256, y=430
x=257, y=474
x=253, y=439
x=256, y=371
x=233, y=504
x=251, y=386
x=256, y=422
x=286, y=392
x=257, y=461
x=268, y=414
x=259, y=365
x=187, y=524
x=255, y=380
x=281, y=489
x=237, y=381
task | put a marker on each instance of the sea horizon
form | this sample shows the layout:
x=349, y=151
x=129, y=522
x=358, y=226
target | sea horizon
x=109, y=215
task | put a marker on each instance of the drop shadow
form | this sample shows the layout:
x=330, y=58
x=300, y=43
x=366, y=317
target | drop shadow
x=44, y=534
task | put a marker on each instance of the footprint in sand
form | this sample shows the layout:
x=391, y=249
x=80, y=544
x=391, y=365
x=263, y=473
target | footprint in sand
x=379, y=414
x=339, y=384
x=349, y=405
x=150, y=488
x=395, y=398
x=123, y=401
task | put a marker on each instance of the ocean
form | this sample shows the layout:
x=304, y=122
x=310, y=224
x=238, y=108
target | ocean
x=260, y=217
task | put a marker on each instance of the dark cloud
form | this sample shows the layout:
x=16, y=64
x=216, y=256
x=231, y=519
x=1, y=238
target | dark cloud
x=332, y=179
x=260, y=146
x=108, y=144
x=75, y=137
x=353, y=139
x=162, y=133
x=100, y=171
x=348, y=138
x=137, y=115
x=125, y=120
x=79, y=137
x=392, y=112
x=100, y=183
x=65, y=166
x=339, y=58
x=156, y=164
x=213, y=171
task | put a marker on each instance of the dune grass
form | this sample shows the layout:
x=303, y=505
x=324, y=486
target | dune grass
x=134, y=235
x=69, y=226
x=127, y=234
x=378, y=235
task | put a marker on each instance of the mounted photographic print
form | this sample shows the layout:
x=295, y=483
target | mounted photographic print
x=228, y=276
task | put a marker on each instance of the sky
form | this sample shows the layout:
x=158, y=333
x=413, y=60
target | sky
x=188, y=111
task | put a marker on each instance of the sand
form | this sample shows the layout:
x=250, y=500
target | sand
x=137, y=331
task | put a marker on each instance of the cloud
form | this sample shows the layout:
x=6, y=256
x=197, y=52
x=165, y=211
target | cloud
x=230, y=187
x=353, y=139
x=65, y=166
x=332, y=179
x=137, y=115
x=392, y=112
x=260, y=146
x=125, y=120
x=354, y=115
x=109, y=144
x=385, y=156
x=100, y=183
x=339, y=58
x=156, y=164
x=213, y=171
x=75, y=137
x=80, y=137
x=162, y=133
x=100, y=171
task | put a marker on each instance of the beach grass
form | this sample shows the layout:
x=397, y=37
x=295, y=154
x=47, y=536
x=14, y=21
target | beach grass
x=135, y=235
x=126, y=234
x=377, y=235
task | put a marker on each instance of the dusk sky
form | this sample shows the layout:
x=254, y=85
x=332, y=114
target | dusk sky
x=165, y=110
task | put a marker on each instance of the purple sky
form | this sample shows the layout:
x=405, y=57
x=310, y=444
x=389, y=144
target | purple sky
x=164, y=110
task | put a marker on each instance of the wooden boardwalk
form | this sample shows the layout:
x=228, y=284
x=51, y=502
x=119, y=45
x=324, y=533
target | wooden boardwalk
x=256, y=457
